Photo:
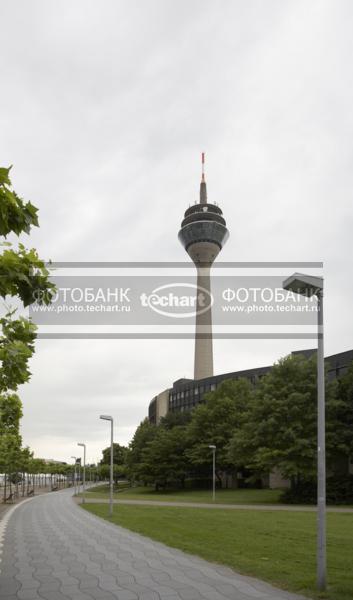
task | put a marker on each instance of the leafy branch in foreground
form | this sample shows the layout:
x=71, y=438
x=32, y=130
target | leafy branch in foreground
x=23, y=275
x=15, y=215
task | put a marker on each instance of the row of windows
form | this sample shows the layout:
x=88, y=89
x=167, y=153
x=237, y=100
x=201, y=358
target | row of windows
x=181, y=401
x=191, y=392
x=173, y=406
x=185, y=402
x=191, y=397
x=197, y=392
x=337, y=372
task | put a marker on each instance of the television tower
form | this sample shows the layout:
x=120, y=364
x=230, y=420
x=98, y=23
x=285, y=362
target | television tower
x=203, y=233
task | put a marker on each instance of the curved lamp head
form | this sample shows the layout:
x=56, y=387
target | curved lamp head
x=106, y=417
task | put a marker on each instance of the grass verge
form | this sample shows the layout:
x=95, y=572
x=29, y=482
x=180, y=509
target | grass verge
x=241, y=496
x=278, y=547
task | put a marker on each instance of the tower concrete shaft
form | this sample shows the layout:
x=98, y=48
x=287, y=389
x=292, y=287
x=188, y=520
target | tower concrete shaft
x=203, y=359
x=203, y=233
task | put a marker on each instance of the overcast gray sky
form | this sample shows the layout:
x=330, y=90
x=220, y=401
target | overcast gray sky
x=105, y=108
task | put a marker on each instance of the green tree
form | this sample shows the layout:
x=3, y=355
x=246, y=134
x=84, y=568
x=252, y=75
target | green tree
x=26, y=456
x=10, y=414
x=15, y=215
x=279, y=430
x=119, y=462
x=163, y=460
x=340, y=434
x=144, y=433
x=10, y=439
x=176, y=419
x=215, y=422
x=119, y=455
x=118, y=472
x=16, y=348
x=24, y=276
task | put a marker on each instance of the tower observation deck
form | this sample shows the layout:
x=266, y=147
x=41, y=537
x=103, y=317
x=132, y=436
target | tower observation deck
x=203, y=234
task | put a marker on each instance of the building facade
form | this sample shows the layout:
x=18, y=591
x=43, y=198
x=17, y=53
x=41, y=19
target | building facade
x=185, y=394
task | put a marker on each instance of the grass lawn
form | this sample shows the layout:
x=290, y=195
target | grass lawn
x=242, y=496
x=278, y=547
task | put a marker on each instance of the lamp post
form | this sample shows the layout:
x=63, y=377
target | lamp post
x=109, y=418
x=308, y=285
x=75, y=480
x=84, y=471
x=213, y=448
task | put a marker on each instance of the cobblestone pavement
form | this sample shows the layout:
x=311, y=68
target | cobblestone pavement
x=54, y=550
x=47, y=489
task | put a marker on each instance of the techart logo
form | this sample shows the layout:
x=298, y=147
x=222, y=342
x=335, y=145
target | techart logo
x=177, y=301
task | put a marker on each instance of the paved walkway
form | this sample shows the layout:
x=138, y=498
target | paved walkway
x=4, y=507
x=54, y=550
x=281, y=507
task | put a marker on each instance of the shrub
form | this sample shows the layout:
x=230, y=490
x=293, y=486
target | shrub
x=339, y=490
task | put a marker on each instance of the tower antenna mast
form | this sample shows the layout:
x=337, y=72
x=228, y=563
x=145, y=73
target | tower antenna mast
x=203, y=189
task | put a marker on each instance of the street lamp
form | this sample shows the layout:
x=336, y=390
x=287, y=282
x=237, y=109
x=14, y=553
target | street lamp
x=213, y=448
x=84, y=471
x=308, y=285
x=109, y=418
x=75, y=479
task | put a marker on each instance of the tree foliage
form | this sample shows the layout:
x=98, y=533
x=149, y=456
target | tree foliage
x=343, y=431
x=214, y=423
x=15, y=215
x=23, y=276
x=280, y=425
x=261, y=428
x=16, y=348
x=164, y=461
x=144, y=433
x=119, y=460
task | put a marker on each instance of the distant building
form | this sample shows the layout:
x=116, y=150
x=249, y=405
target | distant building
x=185, y=394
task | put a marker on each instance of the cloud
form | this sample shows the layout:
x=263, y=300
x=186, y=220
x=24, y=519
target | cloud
x=104, y=111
